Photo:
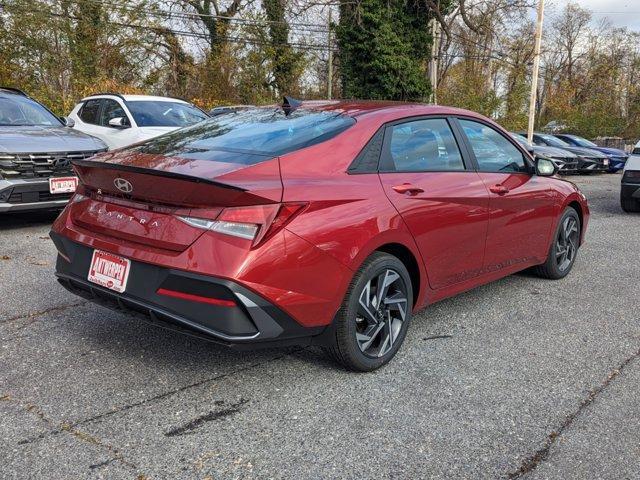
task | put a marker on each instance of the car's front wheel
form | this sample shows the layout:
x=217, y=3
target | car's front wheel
x=564, y=248
x=373, y=320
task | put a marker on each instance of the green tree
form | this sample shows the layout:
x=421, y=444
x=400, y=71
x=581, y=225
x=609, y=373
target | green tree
x=384, y=46
x=286, y=63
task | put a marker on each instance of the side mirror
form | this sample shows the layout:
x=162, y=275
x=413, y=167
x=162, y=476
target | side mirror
x=545, y=167
x=118, y=122
x=68, y=122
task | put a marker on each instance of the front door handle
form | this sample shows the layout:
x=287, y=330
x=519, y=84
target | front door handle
x=499, y=189
x=407, y=188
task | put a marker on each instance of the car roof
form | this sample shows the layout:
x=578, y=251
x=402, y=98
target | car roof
x=391, y=109
x=133, y=98
x=568, y=135
x=13, y=91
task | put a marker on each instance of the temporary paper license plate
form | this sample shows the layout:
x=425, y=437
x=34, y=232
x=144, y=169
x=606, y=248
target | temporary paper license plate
x=109, y=270
x=63, y=184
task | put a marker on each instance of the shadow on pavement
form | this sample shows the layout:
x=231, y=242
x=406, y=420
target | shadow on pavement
x=10, y=221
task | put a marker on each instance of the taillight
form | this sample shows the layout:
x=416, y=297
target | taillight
x=254, y=223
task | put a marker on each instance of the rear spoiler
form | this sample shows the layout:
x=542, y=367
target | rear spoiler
x=152, y=171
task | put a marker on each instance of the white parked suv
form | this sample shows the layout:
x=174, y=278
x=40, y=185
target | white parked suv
x=120, y=120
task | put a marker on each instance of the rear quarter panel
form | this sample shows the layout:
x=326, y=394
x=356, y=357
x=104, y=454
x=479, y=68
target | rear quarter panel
x=348, y=216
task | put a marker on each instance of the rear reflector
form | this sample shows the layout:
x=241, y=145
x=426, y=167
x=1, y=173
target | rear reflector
x=196, y=298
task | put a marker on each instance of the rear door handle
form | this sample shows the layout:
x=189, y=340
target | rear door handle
x=499, y=189
x=407, y=188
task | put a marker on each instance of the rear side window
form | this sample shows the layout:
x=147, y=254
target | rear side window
x=89, y=112
x=423, y=146
x=249, y=136
x=493, y=151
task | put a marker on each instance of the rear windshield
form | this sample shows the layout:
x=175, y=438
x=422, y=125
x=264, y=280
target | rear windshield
x=249, y=136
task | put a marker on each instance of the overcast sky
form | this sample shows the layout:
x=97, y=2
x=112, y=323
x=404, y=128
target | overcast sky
x=621, y=13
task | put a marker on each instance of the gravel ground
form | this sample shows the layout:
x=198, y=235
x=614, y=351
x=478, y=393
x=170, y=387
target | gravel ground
x=523, y=378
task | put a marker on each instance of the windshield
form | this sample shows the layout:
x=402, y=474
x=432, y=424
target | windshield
x=583, y=142
x=16, y=110
x=149, y=113
x=249, y=135
x=553, y=141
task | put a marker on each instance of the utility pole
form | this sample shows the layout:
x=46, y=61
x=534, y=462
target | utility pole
x=433, y=62
x=330, y=62
x=536, y=68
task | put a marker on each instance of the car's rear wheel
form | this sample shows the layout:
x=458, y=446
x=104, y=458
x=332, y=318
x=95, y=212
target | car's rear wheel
x=564, y=248
x=630, y=205
x=372, y=323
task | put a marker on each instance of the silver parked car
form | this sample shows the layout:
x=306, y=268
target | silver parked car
x=36, y=149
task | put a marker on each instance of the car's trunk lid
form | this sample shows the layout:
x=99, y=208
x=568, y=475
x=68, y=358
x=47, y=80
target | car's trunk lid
x=141, y=197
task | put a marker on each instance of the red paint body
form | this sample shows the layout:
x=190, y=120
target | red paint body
x=463, y=229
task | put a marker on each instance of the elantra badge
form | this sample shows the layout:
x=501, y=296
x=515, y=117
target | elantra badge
x=123, y=185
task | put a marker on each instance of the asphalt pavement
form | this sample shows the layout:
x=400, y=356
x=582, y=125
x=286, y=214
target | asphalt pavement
x=522, y=378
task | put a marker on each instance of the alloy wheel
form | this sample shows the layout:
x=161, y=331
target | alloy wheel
x=382, y=309
x=567, y=243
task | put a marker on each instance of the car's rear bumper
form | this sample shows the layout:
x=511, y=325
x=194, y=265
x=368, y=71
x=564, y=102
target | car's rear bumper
x=20, y=195
x=630, y=191
x=252, y=320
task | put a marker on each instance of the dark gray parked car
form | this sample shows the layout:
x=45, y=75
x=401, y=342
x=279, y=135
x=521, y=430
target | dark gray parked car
x=589, y=161
x=36, y=149
x=566, y=161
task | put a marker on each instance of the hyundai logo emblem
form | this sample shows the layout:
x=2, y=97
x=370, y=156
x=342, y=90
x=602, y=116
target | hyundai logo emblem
x=123, y=185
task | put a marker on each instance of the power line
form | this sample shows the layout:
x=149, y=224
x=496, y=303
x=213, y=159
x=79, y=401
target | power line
x=320, y=28
x=184, y=33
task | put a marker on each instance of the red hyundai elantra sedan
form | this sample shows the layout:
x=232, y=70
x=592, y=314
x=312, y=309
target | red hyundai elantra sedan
x=325, y=223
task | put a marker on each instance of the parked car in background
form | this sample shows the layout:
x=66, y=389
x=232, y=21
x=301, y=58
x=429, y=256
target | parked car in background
x=121, y=120
x=36, y=149
x=636, y=149
x=617, y=157
x=322, y=223
x=589, y=161
x=566, y=161
x=630, y=190
x=215, y=111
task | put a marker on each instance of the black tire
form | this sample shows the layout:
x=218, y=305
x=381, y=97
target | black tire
x=350, y=326
x=630, y=205
x=554, y=268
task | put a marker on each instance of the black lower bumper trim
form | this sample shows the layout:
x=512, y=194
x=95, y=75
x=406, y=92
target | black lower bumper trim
x=630, y=190
x=253, y=321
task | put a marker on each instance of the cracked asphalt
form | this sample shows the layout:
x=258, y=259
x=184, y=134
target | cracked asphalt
x=523, y=378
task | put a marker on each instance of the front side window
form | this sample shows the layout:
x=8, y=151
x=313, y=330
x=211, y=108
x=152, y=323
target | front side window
x=112, y=109
x=424, y=145
x=149, y=113
x=493, y=151
x=249, y=136
x=17, y=111
x=89, y=111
